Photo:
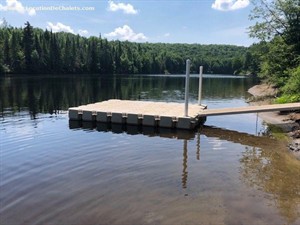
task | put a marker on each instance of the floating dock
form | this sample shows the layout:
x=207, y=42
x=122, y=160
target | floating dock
x=161, y=114
x=145, y=113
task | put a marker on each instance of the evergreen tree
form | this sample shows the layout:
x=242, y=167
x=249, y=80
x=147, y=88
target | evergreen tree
x=16, y=53
x=55, y=54
x=32, y=50
x=28, y=46
x=93, y=56
x=6, y=50
x=68, y=58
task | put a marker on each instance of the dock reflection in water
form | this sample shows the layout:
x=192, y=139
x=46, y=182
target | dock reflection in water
x=51, y=174
x=133, y=130
x=185, y=135
x=264, y=165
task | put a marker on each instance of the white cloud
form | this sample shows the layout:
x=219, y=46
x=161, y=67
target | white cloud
x=229, y=5
x=83, y=32
x=15, y=5
x=126, y=8
x=59, y=27
x=126, y=33
x=167, y=35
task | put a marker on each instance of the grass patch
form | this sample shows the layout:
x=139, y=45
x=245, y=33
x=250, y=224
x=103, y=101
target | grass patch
x=288, y=98
x=277, y=132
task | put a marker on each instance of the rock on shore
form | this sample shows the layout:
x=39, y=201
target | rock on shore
x=289, y=122
x=263, y=90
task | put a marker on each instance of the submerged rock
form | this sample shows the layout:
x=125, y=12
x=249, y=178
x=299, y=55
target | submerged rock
x=295, y=145
x=295, y=134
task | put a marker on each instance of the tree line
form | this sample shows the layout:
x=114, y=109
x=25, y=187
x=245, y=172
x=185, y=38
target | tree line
x=35, y=51
x=276, y=58
x=51, y=94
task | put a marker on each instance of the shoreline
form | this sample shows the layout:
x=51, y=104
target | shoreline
x=289, y=123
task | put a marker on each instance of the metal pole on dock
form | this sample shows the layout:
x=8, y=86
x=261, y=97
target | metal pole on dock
x=200, y=85
x=187, y=87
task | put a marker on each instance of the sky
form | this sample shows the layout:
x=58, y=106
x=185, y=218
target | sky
x=167, y=21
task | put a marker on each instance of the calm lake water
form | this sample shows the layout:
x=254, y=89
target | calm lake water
x=53, y=171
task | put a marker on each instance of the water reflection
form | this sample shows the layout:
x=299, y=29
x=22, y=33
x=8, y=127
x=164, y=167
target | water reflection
x=264, y=164
x=208, y=131
x=51, y=94
x=198, y=146
x=133, y=130
x=185, y=165
x=238, y=137
x=120, y=174
x=184, y=135
x=276, y=173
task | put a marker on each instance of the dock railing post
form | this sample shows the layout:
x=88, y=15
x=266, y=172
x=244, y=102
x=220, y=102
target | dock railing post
x=200, y=84
x=187, y=87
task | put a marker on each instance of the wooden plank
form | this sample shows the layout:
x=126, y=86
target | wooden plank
x=250, y=109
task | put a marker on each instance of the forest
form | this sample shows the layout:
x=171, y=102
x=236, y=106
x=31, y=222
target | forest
x=275, y=58
x=31, y=50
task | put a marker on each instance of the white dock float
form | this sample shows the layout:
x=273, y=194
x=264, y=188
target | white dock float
x=146, y=113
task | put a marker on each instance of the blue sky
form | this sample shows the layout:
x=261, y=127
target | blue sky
x=169, y=21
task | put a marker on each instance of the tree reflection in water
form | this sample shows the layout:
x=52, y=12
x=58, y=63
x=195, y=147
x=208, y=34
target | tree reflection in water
x=267, y=166
x=264, y=165
x=276, y=173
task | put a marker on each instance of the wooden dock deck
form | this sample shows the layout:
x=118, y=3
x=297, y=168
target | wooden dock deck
x=251, y=109
x=161, y=114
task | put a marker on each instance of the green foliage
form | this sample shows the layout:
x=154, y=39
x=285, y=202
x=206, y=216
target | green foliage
x=285, y=98
x=275, y=61
x=277, y=18
x=277, y=132
x=293, y=83
x=32, y=50
x=291, y=90
x=28, y=47
x=278, y=27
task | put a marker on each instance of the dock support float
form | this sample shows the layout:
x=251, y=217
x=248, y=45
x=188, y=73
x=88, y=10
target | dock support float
x=151, y=114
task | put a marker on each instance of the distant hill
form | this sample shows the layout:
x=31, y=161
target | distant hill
x=35, y=51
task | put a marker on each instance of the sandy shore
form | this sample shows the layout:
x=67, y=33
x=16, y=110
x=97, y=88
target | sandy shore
x=288, y=122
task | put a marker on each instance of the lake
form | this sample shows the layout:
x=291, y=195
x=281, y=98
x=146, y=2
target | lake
x=58, y=172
